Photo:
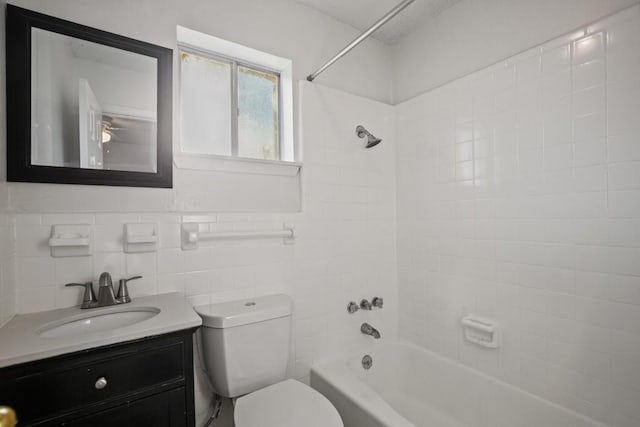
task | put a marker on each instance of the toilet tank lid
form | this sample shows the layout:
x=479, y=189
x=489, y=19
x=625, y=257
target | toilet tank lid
x=246, y=311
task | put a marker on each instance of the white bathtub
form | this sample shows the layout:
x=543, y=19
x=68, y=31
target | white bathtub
x=408, y=386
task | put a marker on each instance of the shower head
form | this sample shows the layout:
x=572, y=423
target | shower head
x=371, y=140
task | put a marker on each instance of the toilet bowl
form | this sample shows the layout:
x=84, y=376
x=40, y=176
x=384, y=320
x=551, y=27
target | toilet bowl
x=288, y=403
x=245, y=346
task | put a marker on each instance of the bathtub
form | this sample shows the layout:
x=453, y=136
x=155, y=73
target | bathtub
x=408, y=386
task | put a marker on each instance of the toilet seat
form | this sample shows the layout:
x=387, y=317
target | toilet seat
x=286, y=404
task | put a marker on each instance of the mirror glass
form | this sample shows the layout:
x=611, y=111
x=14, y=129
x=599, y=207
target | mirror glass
x=92, y=106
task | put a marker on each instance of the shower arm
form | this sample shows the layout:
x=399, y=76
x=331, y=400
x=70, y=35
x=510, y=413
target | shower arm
x=393, y=12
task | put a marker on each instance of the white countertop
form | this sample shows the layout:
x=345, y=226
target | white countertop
x=19, y=341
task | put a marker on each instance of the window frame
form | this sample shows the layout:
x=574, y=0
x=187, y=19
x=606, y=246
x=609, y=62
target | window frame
x=290, y=162
x=234, y=104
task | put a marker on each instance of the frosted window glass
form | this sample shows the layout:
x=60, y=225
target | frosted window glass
x=206, y=105
x=257, y=114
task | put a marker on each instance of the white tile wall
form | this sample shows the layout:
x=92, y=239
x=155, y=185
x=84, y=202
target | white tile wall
x=519, y=200
x=7, y=247
x=7, y=269
x=346, y=249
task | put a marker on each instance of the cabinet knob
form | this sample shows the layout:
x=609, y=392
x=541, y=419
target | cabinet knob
x=101, y=383
x=7, y=417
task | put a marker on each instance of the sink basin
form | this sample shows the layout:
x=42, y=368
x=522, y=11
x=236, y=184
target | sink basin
x=97, y=321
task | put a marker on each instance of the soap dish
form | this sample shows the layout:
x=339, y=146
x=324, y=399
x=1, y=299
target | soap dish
x=140, y=237
x=70, y=240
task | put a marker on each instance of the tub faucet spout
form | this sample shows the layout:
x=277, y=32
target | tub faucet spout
x=367, y=329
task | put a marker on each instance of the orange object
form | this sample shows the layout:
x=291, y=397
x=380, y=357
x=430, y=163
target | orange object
x=7, y=417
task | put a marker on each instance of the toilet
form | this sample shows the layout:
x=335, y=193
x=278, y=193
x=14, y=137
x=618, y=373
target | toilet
x=245, y=345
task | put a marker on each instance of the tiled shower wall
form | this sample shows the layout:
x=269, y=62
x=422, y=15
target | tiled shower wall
x=345, y=251
x=519, y=200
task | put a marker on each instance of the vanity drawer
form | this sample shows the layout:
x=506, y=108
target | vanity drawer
x=161, y=410
x=43, y=390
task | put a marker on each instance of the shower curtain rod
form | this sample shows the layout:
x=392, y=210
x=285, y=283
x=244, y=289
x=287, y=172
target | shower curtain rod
x=393, y=12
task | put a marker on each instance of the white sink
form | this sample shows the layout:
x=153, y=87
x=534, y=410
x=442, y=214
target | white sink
x=104, y=320
x=36, y=336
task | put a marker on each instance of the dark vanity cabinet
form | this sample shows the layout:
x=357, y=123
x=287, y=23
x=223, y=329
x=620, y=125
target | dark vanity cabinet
x=143, y=383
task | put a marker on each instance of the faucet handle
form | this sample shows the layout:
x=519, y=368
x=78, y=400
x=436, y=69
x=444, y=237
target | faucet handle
x=352, y=307
x=365, y=305
x=377, y=302
x=89, y=296
x=131, y=278
x=123, y=291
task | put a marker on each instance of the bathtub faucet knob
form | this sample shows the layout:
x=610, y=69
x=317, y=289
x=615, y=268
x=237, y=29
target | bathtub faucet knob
x=352, y=307
x=377, y=302
x=365, y=305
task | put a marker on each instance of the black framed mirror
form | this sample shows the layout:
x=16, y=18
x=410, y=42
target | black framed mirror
x=85, y=106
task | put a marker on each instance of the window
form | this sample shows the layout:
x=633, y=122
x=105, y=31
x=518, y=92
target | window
x=234, y=101
x=258, y=113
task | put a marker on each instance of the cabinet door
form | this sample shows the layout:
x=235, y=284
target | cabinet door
x=49, y=391
x=166, y=409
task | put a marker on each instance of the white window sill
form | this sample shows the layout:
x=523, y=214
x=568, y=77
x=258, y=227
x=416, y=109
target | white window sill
x=235, y=164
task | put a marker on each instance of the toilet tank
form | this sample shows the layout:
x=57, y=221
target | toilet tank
x=245, y=344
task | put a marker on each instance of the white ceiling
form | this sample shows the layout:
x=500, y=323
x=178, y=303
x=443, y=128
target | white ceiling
x=362, y=14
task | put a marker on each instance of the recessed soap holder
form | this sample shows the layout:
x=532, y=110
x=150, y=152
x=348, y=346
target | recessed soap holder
x=140, y=237
x=481, y=331
x=70, y=240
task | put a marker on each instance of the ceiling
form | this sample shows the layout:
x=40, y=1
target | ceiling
x=361, y=14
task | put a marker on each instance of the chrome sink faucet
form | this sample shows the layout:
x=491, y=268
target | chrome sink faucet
x=106, y=294
x=367, y=329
